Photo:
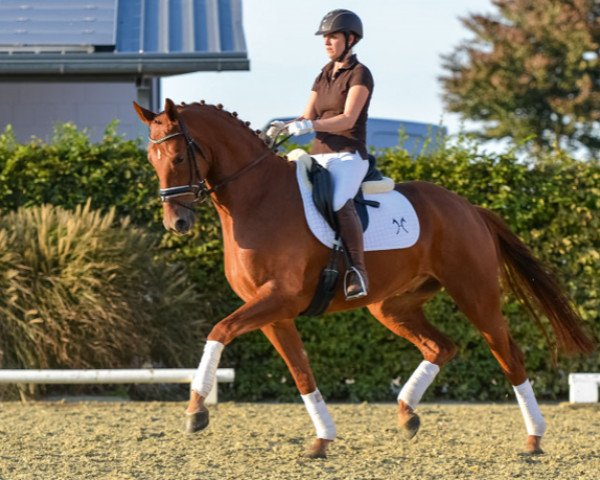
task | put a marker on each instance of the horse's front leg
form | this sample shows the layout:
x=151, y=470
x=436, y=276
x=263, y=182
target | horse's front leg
x=268, y=306
x=285, y=338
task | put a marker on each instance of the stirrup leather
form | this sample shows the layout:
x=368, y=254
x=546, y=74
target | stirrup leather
x=363, y=288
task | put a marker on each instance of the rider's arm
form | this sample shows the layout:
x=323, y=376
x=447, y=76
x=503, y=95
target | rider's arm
x=310, y=112
x=355, y=101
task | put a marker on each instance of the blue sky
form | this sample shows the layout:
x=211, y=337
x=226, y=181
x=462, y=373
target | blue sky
x=402, y=46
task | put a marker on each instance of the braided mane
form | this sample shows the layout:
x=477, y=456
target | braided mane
x=231, y=116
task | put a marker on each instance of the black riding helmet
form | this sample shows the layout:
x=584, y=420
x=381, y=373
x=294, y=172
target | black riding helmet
x=344, y=21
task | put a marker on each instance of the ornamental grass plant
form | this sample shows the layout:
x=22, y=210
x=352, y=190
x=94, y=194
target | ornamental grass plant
x=82, y=289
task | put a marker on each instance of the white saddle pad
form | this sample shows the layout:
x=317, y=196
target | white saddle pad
x=392, y=226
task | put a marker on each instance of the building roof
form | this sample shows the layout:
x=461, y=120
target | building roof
x=119, y=38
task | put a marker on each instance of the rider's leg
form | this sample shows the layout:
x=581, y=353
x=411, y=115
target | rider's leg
x=347, y=171
x=357, y=282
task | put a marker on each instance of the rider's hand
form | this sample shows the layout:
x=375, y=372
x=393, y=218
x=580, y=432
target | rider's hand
x=275, y=129
x=300, y=127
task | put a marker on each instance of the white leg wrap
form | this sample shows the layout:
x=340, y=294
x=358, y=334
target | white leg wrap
x=534, y=421
x=205, y=376
x=419, y=381
x=315, y=405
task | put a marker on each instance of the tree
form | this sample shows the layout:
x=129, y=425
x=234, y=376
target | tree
x=531, y=73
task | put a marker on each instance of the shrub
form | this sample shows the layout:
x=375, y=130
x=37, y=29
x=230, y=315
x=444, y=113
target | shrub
x=83, y=290
x=71, y=169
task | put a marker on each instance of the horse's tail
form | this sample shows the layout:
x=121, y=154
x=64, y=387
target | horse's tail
x=536, y=286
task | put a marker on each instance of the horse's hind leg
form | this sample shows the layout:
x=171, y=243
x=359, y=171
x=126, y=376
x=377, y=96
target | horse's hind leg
x=480, y=301
x=404, y=316
x=285, y=338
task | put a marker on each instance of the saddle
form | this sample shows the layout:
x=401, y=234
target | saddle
x=322, y=194
x=322, y=190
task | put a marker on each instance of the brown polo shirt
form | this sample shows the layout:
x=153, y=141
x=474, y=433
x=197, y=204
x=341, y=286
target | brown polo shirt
x=332, y=91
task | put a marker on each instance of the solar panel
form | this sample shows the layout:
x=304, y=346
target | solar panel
x=65, y=23
x=119, y=38
x=180, y=26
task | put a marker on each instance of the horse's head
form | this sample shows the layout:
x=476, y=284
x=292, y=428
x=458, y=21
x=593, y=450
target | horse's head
x=197, y=150
x=179, y=163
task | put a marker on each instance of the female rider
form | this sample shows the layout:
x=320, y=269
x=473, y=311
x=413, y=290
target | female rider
x=337, y=112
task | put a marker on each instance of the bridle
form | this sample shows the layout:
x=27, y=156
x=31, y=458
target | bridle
x=200, y=190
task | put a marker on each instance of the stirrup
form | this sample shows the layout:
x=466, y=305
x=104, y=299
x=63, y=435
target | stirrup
x=363, y=287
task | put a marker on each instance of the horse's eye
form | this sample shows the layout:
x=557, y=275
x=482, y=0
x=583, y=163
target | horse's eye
x=178, y=159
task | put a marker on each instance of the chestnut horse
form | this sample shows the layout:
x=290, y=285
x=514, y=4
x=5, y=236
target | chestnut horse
x=273, y=263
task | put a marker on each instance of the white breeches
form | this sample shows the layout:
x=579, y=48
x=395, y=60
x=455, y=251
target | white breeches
x=347, y=172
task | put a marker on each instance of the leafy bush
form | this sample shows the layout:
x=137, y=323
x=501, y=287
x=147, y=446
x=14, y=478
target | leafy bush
x=83, y=290
x=70, y=170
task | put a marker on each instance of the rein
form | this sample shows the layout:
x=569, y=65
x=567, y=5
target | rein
x=200, y=190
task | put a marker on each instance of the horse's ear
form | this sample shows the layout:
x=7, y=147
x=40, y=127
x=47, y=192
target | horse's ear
x=170, y=109
x=146, y=116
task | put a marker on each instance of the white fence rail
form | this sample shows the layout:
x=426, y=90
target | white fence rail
x=140, y=375
x=583, y=387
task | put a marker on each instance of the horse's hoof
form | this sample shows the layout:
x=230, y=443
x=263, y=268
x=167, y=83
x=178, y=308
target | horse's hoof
x=318, y=449
x=410, y=426
x=315, y=454
x=534, y=445
x=194, y=422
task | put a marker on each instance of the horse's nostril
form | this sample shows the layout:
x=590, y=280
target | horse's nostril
x=181, y=225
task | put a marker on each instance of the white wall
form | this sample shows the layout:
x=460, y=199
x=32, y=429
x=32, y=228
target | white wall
x=32, y=108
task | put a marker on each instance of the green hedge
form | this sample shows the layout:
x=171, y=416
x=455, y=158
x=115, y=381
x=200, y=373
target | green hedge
x=70, y=169
x=551, y=202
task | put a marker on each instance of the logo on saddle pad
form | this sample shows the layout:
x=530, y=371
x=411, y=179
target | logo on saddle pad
x=392, y=226
x=401, y=225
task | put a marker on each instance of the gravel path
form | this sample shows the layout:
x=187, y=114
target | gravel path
x=133, y=440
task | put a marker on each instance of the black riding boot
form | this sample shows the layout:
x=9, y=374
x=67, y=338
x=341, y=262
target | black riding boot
x=356, y=281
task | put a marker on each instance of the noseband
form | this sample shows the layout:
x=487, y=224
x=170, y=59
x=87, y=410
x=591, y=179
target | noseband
x=200, y=190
